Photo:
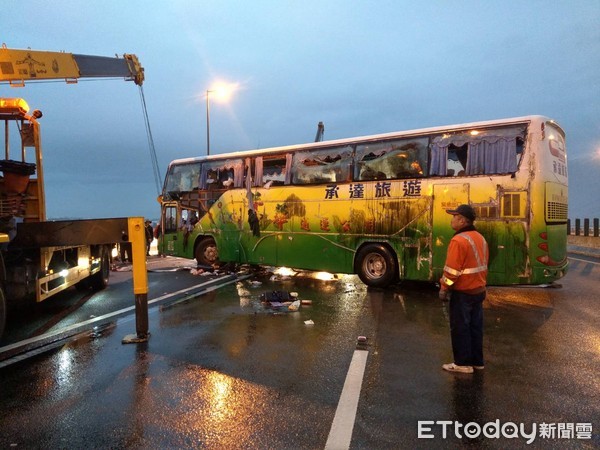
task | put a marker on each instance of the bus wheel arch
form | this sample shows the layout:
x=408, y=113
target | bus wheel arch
x=376, y=264
x=205, y=251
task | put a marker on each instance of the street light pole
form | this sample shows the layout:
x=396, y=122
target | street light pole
x=208, y=122
x=222, y=92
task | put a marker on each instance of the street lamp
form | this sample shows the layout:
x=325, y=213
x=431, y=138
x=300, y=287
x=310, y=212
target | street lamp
x=222, y=92
x=208, y=122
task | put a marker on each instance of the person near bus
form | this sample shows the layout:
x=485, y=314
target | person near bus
x=464, y=281
x=149, y=235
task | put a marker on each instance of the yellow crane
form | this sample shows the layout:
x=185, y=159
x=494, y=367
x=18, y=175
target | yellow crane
x=40, y=258
x=20, y=66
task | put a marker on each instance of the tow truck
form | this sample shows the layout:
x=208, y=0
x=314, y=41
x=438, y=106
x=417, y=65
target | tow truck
x=40, y=258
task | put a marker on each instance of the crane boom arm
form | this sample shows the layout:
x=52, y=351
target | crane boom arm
x=18, y=66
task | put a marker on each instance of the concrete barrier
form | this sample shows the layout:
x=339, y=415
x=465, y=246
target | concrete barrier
x=584, y=241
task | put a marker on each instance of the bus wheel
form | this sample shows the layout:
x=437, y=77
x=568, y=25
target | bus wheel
x=376, y=266
x=99, y=280
x=206, y=252
x=2, y=311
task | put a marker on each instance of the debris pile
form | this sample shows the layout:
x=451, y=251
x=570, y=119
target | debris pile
x=277, y=302
x=280, y=300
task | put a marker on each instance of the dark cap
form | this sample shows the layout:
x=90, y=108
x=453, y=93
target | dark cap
x=464, y=210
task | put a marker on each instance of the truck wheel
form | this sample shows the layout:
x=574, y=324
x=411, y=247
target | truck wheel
x=206, y=252
x=2, y=312
x=99, y=280
x=376, y=266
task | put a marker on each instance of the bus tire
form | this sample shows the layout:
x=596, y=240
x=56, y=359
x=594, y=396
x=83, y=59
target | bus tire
x=376, y=265
x=99, y=280
x=206, y=252
x=2, y=311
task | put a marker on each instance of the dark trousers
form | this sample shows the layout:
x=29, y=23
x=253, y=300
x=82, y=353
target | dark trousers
x=466, y=328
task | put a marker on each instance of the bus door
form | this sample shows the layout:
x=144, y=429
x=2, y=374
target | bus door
x=178, y=231
x=445, y=196
x=169, y=240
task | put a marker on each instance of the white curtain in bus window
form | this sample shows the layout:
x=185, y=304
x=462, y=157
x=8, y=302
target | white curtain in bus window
x=223, y=174
x=477, y=152
x=406, y=158
x=183, y=178
x=272, y=170
x=322, y=166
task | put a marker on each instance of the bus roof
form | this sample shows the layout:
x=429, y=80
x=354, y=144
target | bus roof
x=374, y=137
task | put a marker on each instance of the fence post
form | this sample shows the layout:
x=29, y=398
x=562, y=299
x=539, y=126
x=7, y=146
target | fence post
x=577, y=227
x=568, y=227
x=586, y=227
x=596, y=227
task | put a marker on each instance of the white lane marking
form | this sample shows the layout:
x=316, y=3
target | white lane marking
x=70, y=328
x=345, y=414
x=584, y=260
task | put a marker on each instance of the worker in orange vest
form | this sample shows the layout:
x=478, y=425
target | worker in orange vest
x=464, y=280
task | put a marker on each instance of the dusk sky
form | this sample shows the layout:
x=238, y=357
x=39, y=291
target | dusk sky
x=360, y=67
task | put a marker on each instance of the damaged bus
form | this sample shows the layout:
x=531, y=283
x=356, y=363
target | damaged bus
x=376, y=205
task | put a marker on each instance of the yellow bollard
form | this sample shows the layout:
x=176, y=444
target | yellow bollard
x=137, y=237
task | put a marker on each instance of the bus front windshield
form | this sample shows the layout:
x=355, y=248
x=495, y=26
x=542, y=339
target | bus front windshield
x=182, y=178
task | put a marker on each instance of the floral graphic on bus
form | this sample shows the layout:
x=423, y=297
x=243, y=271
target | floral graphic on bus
x=294, y=206
x=304, y=224
x=257, y=200
x=279, y=220
x=281, y=216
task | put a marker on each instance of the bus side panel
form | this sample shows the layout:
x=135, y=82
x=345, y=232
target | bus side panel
x=237, y=241
x=230, y=213
x=446, y=196
x=306, y=228
x=411, y=237
x=310, y=227
x=505, y=231
x=227, y=222
x=548, y=241
x=507, y=244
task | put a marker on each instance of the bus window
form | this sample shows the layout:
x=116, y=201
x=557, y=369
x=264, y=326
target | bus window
x=226, y=178
x=222, y=174
x=322, y=166
x=520, y=146
x=273, y=171
x=184, y=218
x=457, y=160
x=182, y=178
x=405, y=158
x=212, y=178
x=494, y=151
x=477, y=152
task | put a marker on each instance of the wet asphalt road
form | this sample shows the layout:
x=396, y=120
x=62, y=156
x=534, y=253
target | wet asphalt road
x=221, y=371
x=73, y=306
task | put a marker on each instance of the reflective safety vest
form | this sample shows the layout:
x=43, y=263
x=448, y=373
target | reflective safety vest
x=466, y=263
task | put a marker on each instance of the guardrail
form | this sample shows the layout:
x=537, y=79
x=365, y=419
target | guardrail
x=577, y=230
